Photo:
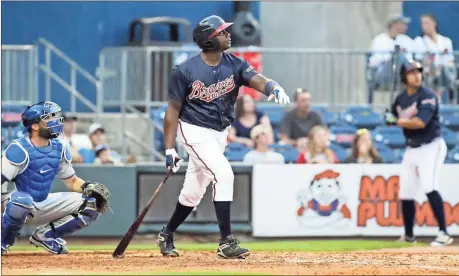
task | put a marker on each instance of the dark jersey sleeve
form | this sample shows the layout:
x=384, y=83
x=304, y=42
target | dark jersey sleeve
x=178, y=86
x=246, y=71
x=426, y=108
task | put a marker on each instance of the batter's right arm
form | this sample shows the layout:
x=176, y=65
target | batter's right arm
x=171, y=123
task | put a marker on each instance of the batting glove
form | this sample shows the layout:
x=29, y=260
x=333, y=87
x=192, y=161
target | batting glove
x=172, y=160
x=279, y=96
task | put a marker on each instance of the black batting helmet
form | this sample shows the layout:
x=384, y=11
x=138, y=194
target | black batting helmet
x=408, y=67
x=205, y=31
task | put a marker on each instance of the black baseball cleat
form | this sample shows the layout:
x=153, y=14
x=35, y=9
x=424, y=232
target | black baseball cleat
x=229, y=249
x=166, y=244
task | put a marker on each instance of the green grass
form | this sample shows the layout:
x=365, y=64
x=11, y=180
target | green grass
x=289, y=246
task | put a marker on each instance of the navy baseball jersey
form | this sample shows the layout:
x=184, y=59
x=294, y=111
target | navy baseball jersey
x=424, y=105
x=208, y=93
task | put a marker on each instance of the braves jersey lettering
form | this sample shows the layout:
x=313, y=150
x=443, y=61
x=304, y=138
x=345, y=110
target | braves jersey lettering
x=208, y=93
x=212, y=92
x=424, y=105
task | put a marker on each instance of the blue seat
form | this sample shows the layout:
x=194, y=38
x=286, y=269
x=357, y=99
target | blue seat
x=450, y=137
x=343, y=135
x=340, y=152
x=330, y=118
x=362, y=117
x=453, y=156
x=289, y=152
x=386, y=153
x=392, y=136
x=235, y=152
x=399, y=154
x=157, y=115
x=274, y=112
x=449, y=116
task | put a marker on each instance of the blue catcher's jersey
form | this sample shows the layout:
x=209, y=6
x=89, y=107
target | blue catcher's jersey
x=423, y=104
x=208, y=93
x=33, y=169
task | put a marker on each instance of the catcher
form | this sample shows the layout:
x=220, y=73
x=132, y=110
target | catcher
x=32, y=162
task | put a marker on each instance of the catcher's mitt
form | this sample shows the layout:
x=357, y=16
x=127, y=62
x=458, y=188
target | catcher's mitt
x=99, y=192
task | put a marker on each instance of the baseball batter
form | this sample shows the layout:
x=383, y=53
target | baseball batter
x=32, y=162
x=417, y=112
x=202, y=94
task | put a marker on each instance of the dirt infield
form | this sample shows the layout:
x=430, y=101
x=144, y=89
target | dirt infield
x=407, y=261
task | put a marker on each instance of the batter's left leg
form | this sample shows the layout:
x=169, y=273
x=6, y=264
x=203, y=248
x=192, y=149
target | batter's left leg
x=62, y=214
x=429, y=174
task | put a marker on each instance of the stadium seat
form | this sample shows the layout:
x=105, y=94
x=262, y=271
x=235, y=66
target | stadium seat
x=386, y=153
x=274, y=112
x=392, y=136
x=343, y=135
x=330, y=118
x=362, y=117
x=399, y=154
x=235, y=152
x=289, y=152
x=449, y=116
x=157, y=115
x=453, y=156
x=340, y=152
x=450, y=137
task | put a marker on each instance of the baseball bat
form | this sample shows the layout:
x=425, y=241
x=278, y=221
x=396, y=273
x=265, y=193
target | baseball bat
x=124, y=243
x=395, y=60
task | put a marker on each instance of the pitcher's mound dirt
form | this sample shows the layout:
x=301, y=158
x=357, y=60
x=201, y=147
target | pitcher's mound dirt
x=411, y=261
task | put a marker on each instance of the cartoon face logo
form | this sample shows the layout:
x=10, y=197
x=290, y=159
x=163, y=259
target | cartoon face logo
x=325, y=190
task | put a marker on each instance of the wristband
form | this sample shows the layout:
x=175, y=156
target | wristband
x=269, y=87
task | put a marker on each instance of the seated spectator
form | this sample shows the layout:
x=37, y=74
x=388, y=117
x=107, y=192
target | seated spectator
x=317, y=149
x=383, y=44
x=297, y=123
x=435, y=51
x=97, y=136
x=363, y=150
x=246, y=118
x=70, y=123
x=262, y=154
x=104, y=156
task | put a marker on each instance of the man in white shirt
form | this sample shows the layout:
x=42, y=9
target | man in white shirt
x=262, y=154
x=384, y=43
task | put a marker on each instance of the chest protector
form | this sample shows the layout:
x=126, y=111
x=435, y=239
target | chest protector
x=42, y=166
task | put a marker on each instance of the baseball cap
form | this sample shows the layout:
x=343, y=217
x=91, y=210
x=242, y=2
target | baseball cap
x=95, y=127
x=70, y=117
x=398, y=18
x=257, y=130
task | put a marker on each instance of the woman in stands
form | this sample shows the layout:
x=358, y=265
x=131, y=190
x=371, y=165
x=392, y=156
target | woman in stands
x=363, y=150
x=247, y=117
x=435, y=51
x=317, y=148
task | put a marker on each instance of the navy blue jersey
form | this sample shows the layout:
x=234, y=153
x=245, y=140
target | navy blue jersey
x=424, y=105
x=208, y=93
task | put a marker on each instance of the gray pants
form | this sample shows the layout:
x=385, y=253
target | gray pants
x=56, y=206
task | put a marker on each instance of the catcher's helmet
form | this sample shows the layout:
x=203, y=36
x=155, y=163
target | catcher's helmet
x=205, y=31
x=408, y=67
x=44, y=111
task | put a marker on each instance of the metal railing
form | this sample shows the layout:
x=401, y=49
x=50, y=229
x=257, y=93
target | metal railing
x=19, y=77
x=69, y=83
x=139, y=76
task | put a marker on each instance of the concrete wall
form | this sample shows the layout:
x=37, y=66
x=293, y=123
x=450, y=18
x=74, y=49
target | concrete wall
x=323, y=25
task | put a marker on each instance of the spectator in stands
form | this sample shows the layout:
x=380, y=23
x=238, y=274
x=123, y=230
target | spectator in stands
x=104, y=156
x=70, y=123
x=97, y=136
x=297, y=123
x=435, y=51
x=247, y=117
x=363, y=150
x=384, y=43
x=262, y=154
x=318, y=148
